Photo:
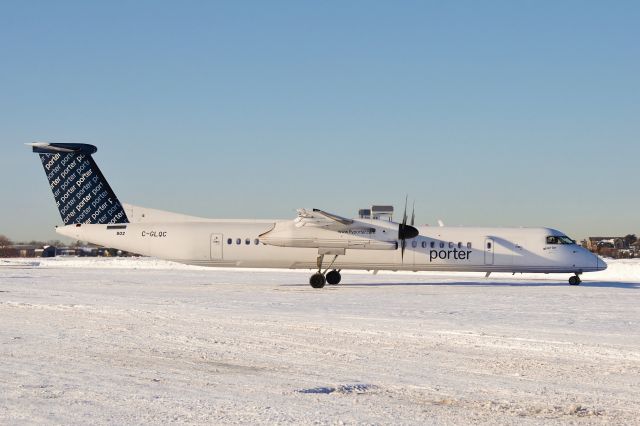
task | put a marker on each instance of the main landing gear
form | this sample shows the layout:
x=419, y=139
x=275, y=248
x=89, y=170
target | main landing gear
x=319, y=279
x=334, y=277
x=575, y=280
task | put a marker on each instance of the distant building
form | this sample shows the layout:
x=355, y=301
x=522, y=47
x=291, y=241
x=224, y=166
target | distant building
x=26, y=250
x=594, y=243
x=19, y=250
x=614, y=247
x=48, y=251
x=67, y=251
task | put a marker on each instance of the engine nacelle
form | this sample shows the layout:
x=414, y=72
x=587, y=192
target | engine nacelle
x=286, y=234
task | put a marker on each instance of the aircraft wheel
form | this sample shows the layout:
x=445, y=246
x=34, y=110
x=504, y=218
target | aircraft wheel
x=317, y=280
x=334, y=277
x=575, y=280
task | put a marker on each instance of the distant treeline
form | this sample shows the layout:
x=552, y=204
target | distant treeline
x=7, y=242
x=9, y=248
x=54, y=248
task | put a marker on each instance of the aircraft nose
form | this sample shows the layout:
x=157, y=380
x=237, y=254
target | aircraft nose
x=601, y=264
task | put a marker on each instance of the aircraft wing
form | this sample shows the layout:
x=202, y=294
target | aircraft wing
x=320, y=218
x=323, y=230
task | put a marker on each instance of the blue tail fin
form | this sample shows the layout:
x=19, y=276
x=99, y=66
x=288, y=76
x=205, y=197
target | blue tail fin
x=81, y=192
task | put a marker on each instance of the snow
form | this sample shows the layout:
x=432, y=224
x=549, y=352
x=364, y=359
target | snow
x=618, y=269
x=93, y=340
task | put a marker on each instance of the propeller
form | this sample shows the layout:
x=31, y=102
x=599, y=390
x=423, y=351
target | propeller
x=413, y=213
x=405, y=231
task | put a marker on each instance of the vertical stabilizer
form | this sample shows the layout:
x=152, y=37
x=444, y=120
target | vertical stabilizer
x=81, y=192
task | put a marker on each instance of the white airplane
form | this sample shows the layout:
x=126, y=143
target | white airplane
x=315, y=239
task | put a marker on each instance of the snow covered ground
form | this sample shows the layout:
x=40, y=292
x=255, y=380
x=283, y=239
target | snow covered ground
x=141, y=340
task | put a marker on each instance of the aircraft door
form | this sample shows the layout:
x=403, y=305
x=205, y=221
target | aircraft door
x=216, y=246
x=489, y=247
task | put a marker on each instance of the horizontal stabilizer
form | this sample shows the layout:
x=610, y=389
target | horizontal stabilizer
x=53, y=148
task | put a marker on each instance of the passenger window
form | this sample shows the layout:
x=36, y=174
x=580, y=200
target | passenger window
x=239, y=241
x=441, y=244
x=229, y=241
x=459, y=244
x=468, y=245
x=424, y=244
x=433, y=244
x=450, y=245
x=247, y=241
x=489, y=246
x=256, y=241
x=414, y=244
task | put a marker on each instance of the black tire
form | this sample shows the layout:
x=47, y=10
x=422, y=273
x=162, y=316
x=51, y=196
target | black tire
x=334, y=277
x=574, y=280
x=317, y=280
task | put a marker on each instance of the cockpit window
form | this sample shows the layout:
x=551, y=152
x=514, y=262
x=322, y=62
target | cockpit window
x=562, y=239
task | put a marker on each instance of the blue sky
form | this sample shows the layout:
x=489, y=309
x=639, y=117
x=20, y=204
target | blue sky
x=486, y=113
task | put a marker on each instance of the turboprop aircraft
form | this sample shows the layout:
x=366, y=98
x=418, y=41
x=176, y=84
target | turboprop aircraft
x=315, y=239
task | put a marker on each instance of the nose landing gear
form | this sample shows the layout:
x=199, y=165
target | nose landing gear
x=575, y=280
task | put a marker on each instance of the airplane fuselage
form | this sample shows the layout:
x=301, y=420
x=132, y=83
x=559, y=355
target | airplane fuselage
x=237, y=243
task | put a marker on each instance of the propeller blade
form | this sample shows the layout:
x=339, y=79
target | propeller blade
x=402, y=229
x=407, y=231
x=413, y=214
x=404, y=215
